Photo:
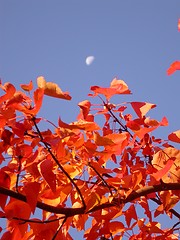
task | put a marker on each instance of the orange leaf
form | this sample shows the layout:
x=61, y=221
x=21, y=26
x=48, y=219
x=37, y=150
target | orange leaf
x=52, y=89
x=93, y=201
x=10, y=91
x=174, y=136
x=45, y=168
x=27, y=87
x=116, y=87
x=167, y=162
x=102, y=141
x=31, y=190
x=141, y=108
x=173, y=67
x=81, y=124
x=85, y=107
x=179, y=24
x=159, y=174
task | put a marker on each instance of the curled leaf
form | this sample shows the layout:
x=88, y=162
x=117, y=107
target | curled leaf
x=27, y=87
x=52, y=89
x=173, y=67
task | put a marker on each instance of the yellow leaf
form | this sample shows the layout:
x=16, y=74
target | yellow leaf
x=52, y=89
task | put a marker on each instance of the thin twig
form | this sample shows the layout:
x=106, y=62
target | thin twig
x=57, y=162
x=59, y=228
x=101, y=178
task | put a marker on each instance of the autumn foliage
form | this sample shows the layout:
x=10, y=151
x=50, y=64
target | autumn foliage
x=81, y=172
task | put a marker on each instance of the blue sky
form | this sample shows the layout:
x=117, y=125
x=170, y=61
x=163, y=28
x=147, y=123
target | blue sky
x=133, y=40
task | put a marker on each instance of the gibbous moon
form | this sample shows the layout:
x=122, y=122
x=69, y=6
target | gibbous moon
x=90, y=60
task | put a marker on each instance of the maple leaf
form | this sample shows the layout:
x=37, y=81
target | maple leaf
x=52, y=89
x=173, y=67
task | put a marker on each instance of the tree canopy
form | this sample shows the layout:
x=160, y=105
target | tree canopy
x=82, y=172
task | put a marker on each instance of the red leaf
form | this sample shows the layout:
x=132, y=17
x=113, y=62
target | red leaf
x=4, y=182
x=141, y=108
x=130, y=214
x=179, y=24
x=175, y=136
x=31, y=190
x=45, y=168
x=174, y=66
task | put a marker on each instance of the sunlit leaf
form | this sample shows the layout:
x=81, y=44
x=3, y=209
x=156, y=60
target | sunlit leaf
x=102, y=141
x=175, y=136
x=116, y=87
x=167, y=163
x=141, y=108
x=94, y=200
x=52, y=89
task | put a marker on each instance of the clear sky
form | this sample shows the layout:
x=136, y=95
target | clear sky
x=133, y=40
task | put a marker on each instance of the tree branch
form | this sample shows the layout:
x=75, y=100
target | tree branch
x=68, y=212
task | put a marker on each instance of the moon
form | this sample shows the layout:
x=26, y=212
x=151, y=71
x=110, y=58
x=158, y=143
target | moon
x=89, y=60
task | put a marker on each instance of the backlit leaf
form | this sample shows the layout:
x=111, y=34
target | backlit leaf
x=141, y=108
x=116, y=227
x=167, y=161
x=116, y=87
x=45, y=168
x=31, y=190
x=175, y=136
x=102, y=141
